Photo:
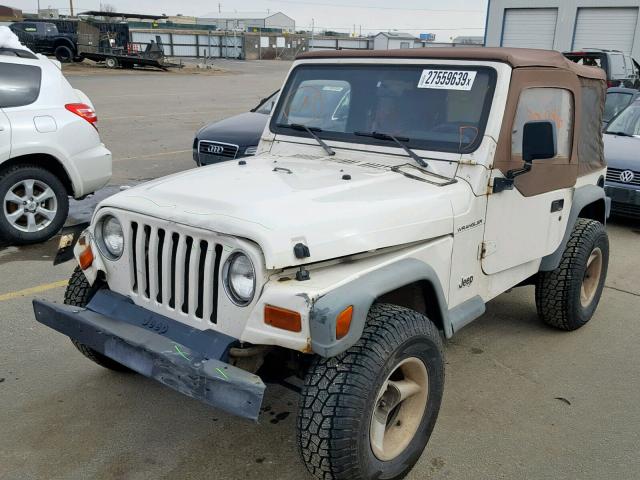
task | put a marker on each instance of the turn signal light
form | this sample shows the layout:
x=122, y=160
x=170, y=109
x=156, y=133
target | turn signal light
x=343, y=322
x=85, y=259
x=282, y=318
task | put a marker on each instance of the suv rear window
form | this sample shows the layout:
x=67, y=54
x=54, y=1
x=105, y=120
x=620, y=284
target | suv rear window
x=19, y=84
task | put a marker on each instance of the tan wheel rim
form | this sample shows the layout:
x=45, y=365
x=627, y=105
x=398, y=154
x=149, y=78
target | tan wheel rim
x=399, y=408
x=591, y=278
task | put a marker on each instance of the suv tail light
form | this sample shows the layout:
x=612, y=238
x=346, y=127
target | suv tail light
x=83, y=110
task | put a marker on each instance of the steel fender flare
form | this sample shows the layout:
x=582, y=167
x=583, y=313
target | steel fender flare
x=582, y=197
x=361, y=293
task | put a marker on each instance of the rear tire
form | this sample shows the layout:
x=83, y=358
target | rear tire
x=368, y=413
x=31, y=196
x=79, y=293
x=567, y=297
x=111, y=62
x=64, y=54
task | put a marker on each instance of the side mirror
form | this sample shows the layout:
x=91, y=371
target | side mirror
x=539, y=140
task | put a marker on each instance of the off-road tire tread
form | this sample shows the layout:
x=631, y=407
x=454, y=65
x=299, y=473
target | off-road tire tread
x=63, y=204
x=556, y=289
x=78, y=293
x=329, y=405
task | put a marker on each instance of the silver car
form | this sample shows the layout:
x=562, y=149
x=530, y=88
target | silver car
x=621, y=147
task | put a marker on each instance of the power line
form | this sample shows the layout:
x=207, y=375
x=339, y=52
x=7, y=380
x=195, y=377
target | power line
x=388, y=29
x=373, y=7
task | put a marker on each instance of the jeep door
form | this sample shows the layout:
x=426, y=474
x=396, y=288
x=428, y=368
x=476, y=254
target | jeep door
x=527, y=222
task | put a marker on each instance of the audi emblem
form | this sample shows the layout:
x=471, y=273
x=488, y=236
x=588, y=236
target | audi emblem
x=215, y=149
x=627, y=176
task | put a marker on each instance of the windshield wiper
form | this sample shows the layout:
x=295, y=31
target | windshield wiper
x=398, y=140
x=309, y=130
x=620, y=134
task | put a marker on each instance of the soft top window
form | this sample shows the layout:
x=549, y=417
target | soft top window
x=435, y=107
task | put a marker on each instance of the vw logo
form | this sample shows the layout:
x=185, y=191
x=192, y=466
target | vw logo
x=627, y=176
x=215, y=149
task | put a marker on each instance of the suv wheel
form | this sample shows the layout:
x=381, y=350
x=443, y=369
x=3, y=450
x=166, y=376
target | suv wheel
x=79, y=293
x=368, y=413
x=567, y=297
x=34, y=204
x=64, y=54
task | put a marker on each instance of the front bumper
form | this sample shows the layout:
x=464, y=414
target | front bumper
x=624, y=200
x=188, y=360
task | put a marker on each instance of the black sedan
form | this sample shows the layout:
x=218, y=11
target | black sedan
x=233, y=137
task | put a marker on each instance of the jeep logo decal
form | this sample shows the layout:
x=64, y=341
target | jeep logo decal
x=156, y=325
x=466, y=282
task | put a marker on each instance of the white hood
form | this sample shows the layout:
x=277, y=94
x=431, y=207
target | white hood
x=313, y=204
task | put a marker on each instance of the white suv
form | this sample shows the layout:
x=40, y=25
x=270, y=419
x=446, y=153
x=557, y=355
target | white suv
x=49, y=147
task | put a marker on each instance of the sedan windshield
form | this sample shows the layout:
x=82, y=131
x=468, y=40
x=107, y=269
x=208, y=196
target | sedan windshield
x=432, y=107
x=627, y=123
x=616, y=102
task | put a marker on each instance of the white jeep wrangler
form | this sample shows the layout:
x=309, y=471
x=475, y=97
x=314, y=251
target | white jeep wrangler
x=393, y=195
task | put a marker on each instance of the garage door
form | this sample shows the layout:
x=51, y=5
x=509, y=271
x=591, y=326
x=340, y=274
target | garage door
x=607, y=28
x=529, y=27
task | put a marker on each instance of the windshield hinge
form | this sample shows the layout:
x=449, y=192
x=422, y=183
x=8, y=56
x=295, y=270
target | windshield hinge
x=487, y=248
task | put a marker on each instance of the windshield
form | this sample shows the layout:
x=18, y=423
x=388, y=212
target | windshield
x=616, y=102
x=433, y=107
x=628, y=122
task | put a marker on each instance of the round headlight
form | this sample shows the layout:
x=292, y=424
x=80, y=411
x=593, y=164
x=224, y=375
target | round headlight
x=239, y=278
x=110, y=237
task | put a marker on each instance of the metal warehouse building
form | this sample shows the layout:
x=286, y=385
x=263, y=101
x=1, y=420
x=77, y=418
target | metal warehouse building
x=237, y=21
x=564, y=24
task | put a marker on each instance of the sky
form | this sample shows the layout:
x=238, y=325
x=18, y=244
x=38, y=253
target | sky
x=447, y=19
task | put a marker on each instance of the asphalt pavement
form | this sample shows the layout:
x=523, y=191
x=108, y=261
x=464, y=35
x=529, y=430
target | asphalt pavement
x=521, y=400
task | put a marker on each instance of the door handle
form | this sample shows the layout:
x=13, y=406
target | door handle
x=557, y=205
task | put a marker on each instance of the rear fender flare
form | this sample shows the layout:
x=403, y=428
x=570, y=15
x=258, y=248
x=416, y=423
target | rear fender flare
x=583, y=197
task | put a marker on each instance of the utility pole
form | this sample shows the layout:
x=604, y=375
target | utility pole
x=313, y=23
x=38, y=8
x=71, y=7
x=219, y=8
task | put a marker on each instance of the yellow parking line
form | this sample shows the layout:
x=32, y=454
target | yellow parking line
x=33, y=290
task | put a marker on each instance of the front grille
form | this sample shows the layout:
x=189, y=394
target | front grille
x=613, y=175
x=212, y=152
x=625, y=209
x=176, y=271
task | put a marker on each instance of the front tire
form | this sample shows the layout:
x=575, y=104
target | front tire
x=567, y=297
x=64, y=54
x=79, y=293
x=368, y=413
x=34, y=205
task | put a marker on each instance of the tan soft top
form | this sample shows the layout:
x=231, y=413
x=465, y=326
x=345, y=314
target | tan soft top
x=516, y=57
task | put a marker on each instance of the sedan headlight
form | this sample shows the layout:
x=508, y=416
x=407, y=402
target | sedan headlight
x=251, y=150
x=110, y=237
x=239, y=278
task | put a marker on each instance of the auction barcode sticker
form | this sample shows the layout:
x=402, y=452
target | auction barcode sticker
x=447, y=79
